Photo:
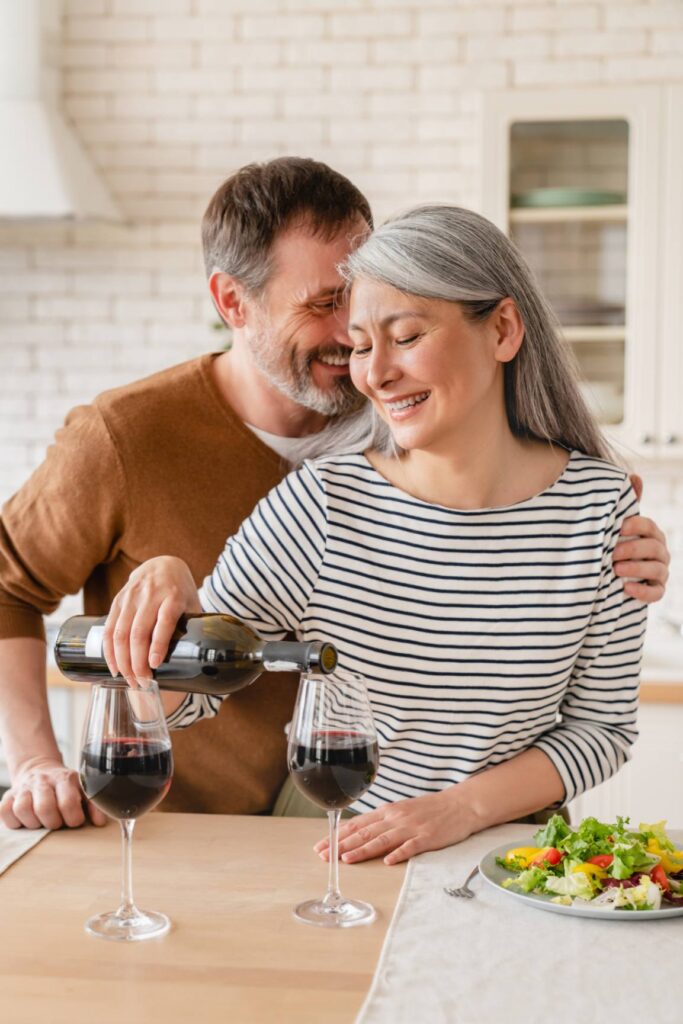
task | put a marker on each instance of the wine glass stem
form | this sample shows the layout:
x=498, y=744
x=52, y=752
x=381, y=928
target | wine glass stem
x=333, y=896
x=127, y=906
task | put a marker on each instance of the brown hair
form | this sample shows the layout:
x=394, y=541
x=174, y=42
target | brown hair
x=255, y=204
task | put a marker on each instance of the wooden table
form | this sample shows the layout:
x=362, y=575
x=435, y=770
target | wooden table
x=235, y=953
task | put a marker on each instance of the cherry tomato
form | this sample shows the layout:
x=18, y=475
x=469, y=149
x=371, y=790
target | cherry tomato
x=550, y=856
x=603, y=860
x=658, y=875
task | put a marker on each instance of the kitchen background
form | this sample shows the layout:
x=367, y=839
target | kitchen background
x=478, y=103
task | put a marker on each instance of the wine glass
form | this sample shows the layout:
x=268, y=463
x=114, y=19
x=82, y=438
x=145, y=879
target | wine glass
x=126, y=769
x=333, y=758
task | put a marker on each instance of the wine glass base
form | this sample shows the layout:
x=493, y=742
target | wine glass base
x=347, y=914
x=118, y=927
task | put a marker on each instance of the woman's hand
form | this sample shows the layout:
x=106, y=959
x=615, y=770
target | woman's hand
x=642, y=553
x=400, y=830
x=144, y=614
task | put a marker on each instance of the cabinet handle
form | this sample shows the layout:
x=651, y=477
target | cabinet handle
x=671, y=439
x=647, y=439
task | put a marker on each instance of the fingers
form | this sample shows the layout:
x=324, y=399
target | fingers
x=97, y=817
x=7, y=815
x=641, y=526
x=166, y=621
x=23, y=809
x=651, y=572
x=641, y=549
x=375, y=846
x=348, y=827
x=144, y=622
x=143, y=616
x=637, y=485
x=121, y=638
x=69, y=799
x=108, y=637
x=409, y=849
x=645, y=592
x=45, y=799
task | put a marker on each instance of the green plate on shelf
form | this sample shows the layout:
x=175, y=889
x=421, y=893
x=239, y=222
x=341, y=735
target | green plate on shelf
x=567, y=197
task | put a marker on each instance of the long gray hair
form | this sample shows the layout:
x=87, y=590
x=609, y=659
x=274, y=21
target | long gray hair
x=445, y=252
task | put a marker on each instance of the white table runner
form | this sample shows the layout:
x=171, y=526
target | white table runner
x=15, y=842
x=492, y=960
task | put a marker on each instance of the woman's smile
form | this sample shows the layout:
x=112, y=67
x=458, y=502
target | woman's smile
x=405, y=406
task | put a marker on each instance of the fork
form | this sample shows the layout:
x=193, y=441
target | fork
x=464, y=890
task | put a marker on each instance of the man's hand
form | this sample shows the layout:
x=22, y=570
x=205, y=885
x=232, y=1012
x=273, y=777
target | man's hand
x=400, y=830
x=46, y=794
x=642, y=552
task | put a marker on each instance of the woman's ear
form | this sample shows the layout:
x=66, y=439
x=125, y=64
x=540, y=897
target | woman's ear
x=228, y=297
x=509, y=329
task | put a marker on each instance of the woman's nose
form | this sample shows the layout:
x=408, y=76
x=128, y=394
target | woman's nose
x=382, y=370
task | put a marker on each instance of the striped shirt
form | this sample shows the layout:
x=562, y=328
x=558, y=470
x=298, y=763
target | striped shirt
x=480, y=633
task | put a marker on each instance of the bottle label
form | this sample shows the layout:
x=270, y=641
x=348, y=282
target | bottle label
x=281, y=666
x=93, y=642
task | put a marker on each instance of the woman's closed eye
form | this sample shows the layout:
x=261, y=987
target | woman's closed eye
x=361, y=350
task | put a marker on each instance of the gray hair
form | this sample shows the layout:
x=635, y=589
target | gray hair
x=446, y=252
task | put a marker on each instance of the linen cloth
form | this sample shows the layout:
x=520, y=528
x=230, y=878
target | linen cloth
x=491, y=959
x=15, y=842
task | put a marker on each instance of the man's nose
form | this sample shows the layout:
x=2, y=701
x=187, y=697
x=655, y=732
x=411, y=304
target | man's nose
x=340, y=328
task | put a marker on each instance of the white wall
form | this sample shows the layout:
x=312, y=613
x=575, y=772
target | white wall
x=170, y=96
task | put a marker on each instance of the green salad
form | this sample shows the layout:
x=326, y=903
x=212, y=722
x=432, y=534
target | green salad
x=608, y=866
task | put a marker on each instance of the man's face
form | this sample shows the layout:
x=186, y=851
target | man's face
x=298, y=334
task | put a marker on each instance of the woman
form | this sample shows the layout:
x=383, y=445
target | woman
x=463, y=564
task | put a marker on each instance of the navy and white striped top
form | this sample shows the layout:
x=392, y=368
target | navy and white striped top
x=480, y=633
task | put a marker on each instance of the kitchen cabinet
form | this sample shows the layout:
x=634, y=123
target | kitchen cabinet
x=587, y=184
x=649, y=787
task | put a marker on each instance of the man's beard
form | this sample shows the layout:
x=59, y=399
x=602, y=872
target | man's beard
x=294, y=379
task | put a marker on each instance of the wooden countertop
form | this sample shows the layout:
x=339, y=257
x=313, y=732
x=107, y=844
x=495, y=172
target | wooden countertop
x=235, y=952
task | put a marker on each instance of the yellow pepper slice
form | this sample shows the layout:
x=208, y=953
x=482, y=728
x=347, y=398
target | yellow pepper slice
x=671, y=862
x=591, y=870
x=524, y=854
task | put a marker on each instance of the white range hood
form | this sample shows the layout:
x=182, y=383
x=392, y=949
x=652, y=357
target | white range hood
x=44, y=170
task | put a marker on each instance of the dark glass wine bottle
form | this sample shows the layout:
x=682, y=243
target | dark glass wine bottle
x=213, y=654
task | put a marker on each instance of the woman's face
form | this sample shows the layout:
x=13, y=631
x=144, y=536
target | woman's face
x=430, y=373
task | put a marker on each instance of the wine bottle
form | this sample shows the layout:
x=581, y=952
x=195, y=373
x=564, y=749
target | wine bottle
x=213, y=654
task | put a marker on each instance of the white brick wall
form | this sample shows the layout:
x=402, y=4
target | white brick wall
x=170, y=96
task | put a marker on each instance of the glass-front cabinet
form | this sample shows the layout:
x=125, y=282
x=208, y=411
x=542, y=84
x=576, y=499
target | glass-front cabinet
x=579, y=180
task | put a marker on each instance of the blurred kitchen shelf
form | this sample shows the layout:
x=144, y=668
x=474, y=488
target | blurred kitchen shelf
x=559, y=214
x=596, y=333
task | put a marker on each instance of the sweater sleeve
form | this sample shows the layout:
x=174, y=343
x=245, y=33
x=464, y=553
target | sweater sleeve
x=598, y=713
x=267, y=571
x=66, y=519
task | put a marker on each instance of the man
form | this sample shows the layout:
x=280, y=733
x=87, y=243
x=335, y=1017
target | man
x=173, y=463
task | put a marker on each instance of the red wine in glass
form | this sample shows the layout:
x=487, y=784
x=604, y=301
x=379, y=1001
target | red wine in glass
x=126, y=769
x=336, y=767
x=126, y=777
x=333, y=757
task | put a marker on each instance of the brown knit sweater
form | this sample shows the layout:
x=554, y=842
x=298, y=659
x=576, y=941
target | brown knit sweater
x=161, y=466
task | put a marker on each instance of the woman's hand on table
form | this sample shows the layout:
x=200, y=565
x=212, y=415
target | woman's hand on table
x=46, y=794
x=401, y=830
x=642, y=553
x=144, y=614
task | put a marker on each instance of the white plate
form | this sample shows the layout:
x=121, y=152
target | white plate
x=495, y=875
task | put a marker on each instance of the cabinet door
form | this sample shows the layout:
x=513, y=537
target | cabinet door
x=671, y=308
x=649, y=787
x=618, y=356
